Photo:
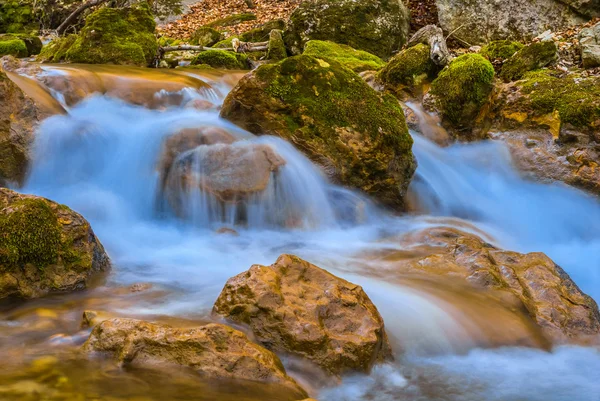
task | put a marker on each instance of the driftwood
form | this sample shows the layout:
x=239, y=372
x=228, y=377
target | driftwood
x=75, y=14
x=433, y=36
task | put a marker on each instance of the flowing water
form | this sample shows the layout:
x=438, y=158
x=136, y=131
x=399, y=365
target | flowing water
x=102, y=158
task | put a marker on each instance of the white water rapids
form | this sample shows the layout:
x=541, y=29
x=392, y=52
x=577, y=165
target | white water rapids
x=101, y=159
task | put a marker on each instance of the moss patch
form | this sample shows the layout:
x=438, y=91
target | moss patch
x=276, y=49
x=13, y=47
x=205, y=36
x=576, y=99
x=17, y=16
x=222, y=59
x=356, y=60
x=463, y=88
x=500, y=49
x=225, y=43
x=529, y=58
x=408, y=68
x=118, y=36
x=231, y=20
x=261, y=33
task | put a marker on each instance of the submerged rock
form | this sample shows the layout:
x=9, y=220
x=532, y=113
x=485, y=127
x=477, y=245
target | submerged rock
x=531, y=57
x=213, y=350
x=45, y=247
x=552, y=299
x=377, y=26
x=356, y=60
x=462, y=89
x=110, y=35
x=296, y=307
x=358, y=136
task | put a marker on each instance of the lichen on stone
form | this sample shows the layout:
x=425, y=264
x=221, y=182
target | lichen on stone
x=222, y=59
x=356, y=60
x=533, y=57
x=463, y=88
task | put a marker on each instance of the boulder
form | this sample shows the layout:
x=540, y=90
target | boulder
x=552, y=299
x=213, y=350
x=356, y=60
x=408, y=69
x=276, y=48
x=18, y=16
x=463, y=89
x=45, y=247
x=296, y=307
x=379, y=27
x=357, y=135
x=110, y=36
x=261, y=32
x=20, y=45
x=589, y=41
x=500, y=49
x=205, y=36
x=479, y=22
x=222, y=59
x=529, y=58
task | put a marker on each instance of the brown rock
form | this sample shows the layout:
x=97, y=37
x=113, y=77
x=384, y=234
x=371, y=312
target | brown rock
x=214, y=350
x=551, y=298
x=45, y=247
x=296, y=307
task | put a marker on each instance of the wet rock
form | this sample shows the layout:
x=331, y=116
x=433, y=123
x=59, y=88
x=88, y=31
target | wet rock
x=45, y=248
x=379, y=27
x=358, y=136
x=463, y=89
x=478, y=22
x=532, y=57
x=214, y=350
x=552, y=299
x=589, y=42
x=296, y=307
x=110, y=35
x=356, y=60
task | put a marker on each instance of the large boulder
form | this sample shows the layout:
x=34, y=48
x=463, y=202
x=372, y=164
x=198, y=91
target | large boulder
x=408, y=69
x=45, y=247
x=296, y=307
x=377, y=26
x=110, y=36
x=214, y=350
x=589, y=41
x=356, y=60
x=357, y=135
x=478, y=22
x=552, y=299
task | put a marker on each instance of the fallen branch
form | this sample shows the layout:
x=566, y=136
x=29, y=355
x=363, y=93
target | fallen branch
x=75, y=14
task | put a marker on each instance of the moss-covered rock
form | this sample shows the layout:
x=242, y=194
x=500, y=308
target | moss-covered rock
x=13, y=47
x=18, y=16
x=231, y=20
x=276, y=49
x=222, y=59
x=261, y=33
x=500, y=49
x=533, y=57
x=168, y=41
x=463, y=88
x=56, y=50
x=356, y=60
x=45, y=247
x=33, y=44
x=356, y=134
x=377, y=26
x=408, y=69
x=205, y=36
x=225, y=43
x=118, y=36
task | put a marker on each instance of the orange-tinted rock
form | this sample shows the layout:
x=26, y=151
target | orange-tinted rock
x=214, y=350
x=296, y=307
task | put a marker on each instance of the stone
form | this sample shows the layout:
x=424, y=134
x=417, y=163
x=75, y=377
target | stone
x=45, y=248
x=296, y=307
x=479, y=22
x=205, y=36
x=552, y=299
x=261, y=32
x=529, y=58
x=589, y=42
x=500, y=49
x=379, y=27
x=357, y=135
x=276, y=48
x=222, y=59
x=408, y=69
x=213, y=350
x=356, y=60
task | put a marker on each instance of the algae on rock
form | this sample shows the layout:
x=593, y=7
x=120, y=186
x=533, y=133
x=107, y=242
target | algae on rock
x=358, y=136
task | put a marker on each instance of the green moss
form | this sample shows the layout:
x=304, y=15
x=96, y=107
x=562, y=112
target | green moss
x=18, y=16
x=167, y=41
x=500, y=49
x=56, y=50
x=529, y=58
x=276, y=50
x=29, y=234
x=225, y=43
x=230, y=20
x=576, y=99
x=261, y=33
x=13, y=47
x=463, y=88
x=205, y=36
x=222, y=59
x=356, y=60
x=32, y=42
x=408, y=68
x=198, y=67
x=119, y=36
